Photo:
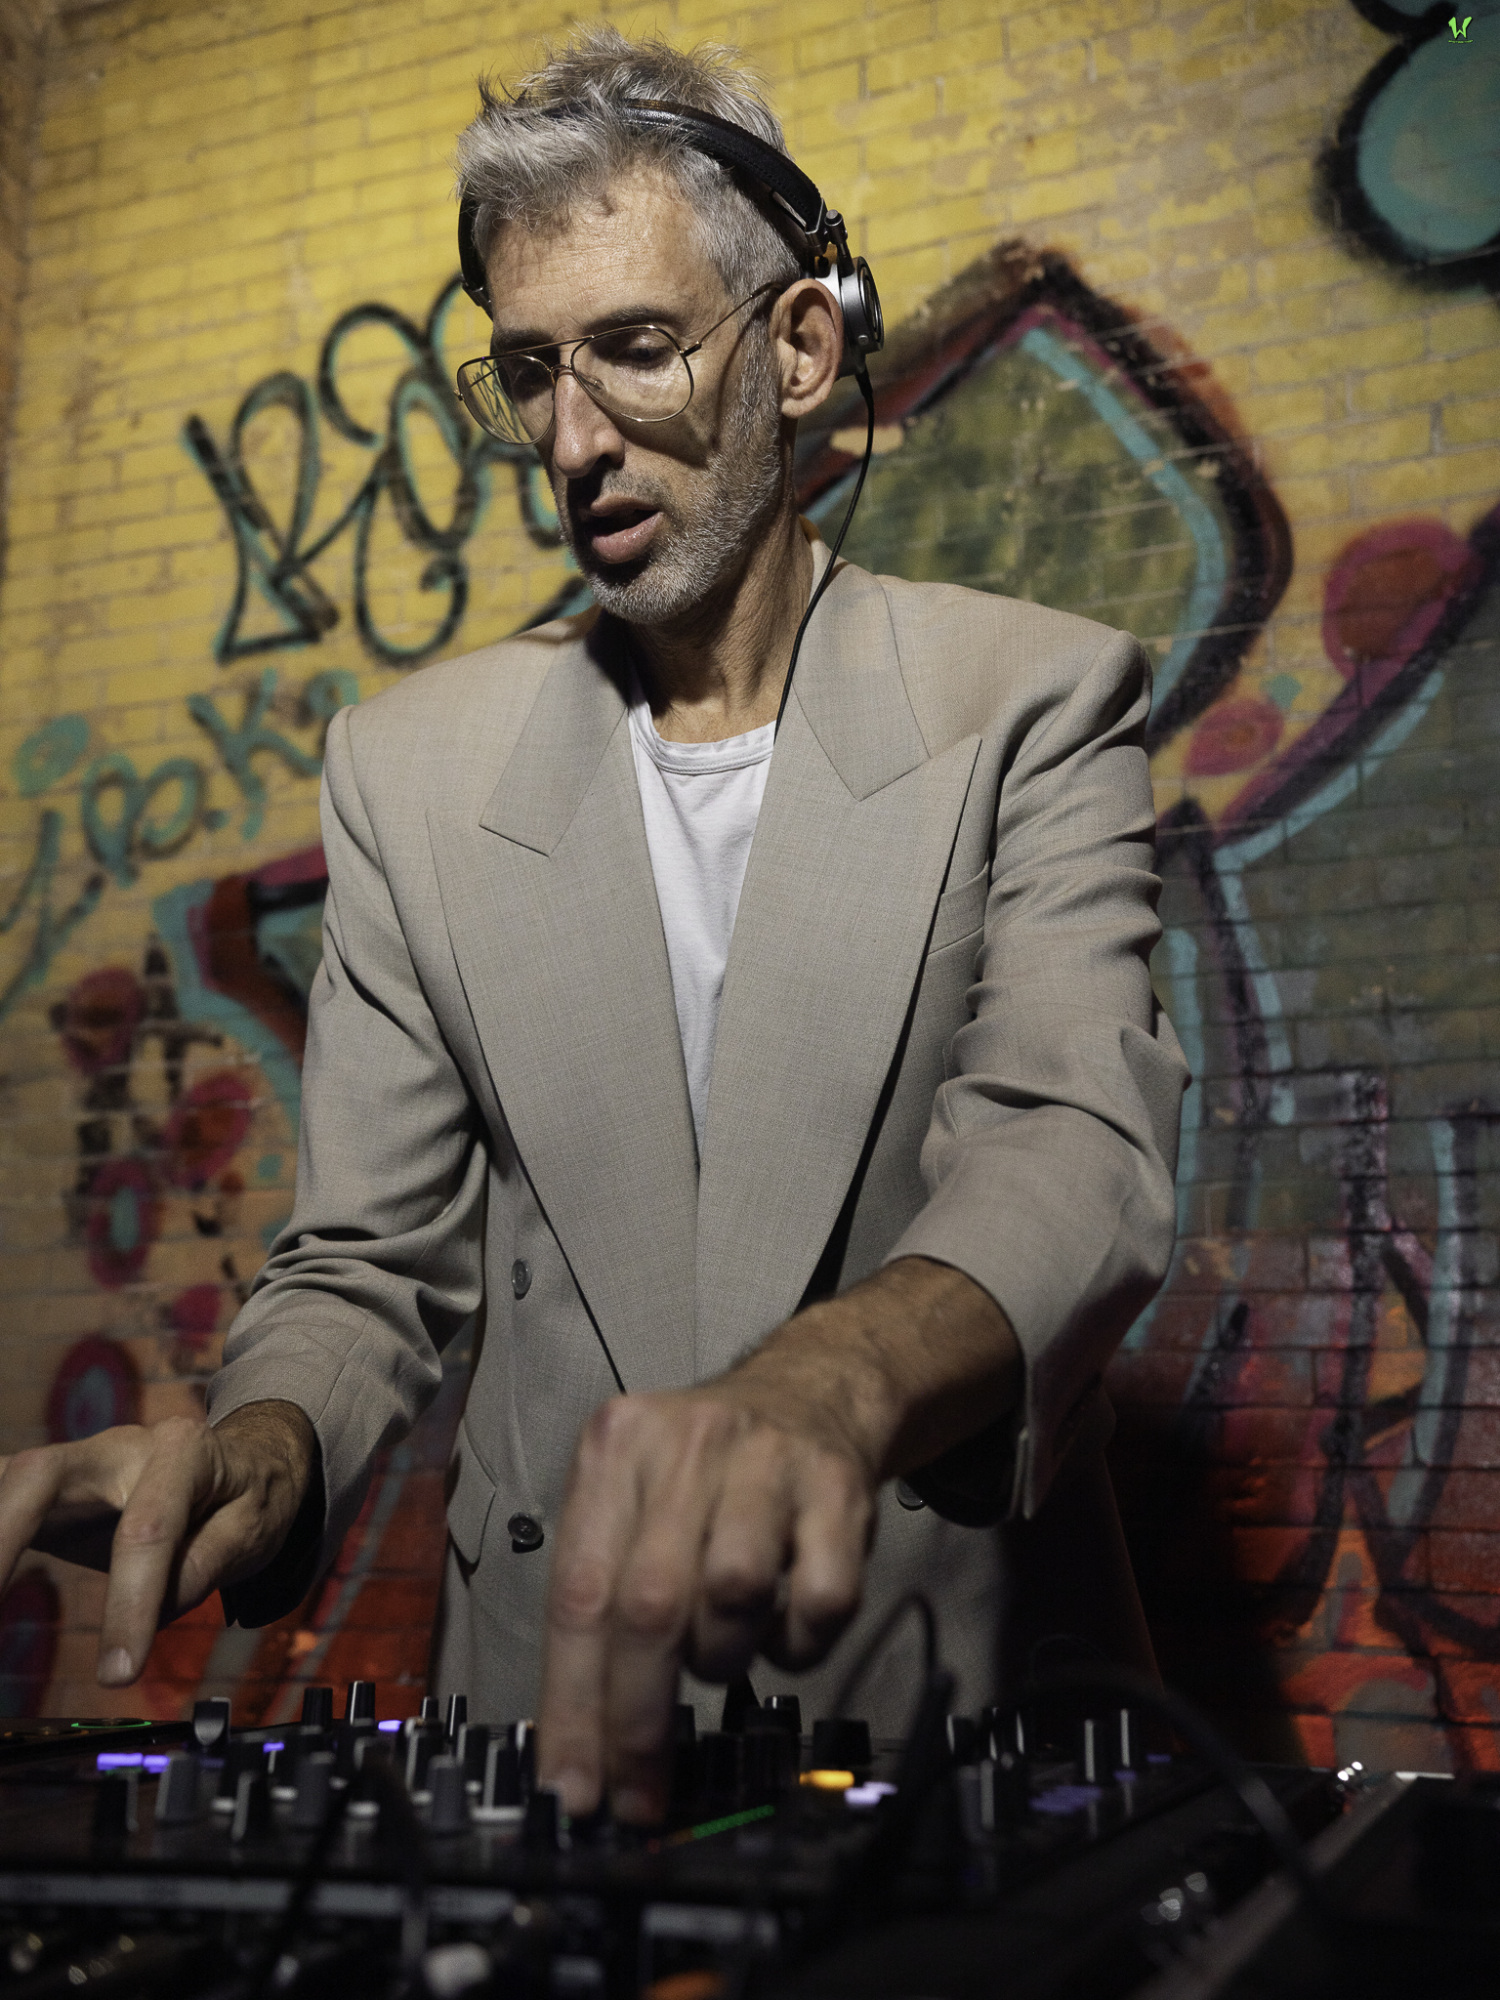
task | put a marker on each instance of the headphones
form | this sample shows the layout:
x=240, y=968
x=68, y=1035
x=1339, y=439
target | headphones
x=850, y=281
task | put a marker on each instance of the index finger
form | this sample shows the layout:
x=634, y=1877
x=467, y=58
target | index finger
x=174, y=1480
x=597, y=1527
x=63, y=1484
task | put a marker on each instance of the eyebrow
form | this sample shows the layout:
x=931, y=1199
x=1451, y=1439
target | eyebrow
x=508, y=340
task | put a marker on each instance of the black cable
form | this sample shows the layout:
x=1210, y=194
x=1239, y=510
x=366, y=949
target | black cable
x=402, y=1832
x=1140, y=1691
x=304, y=1883
x=913, y=1600
x=862, y=377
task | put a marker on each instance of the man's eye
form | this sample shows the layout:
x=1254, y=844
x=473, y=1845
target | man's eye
x=639, y=348
x=523, y=375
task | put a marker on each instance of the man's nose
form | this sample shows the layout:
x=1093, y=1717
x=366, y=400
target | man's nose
x=582, y=433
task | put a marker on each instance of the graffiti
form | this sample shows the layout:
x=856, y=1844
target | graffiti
x=1412, y=171
x=96, y=1386
x=1019, y=400
x=275, y=561
x=127, y=820
x=48, y=754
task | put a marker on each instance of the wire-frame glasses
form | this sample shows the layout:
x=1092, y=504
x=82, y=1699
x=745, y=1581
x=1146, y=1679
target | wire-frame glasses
x=639, y=373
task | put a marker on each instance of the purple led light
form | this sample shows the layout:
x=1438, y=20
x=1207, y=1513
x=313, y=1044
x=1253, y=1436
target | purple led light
x=118, y=1760
x=390, y=1728
x=268, y=1747
x=156, y=1765
x=1065, y=1798
x=864, y=1796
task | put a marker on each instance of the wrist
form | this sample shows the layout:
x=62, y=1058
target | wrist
x=277, y=1436
x=895, y=1371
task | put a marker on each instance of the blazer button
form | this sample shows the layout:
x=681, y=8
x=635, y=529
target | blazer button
x=525, y=1534
x=909, y=1497
x=520, y=1277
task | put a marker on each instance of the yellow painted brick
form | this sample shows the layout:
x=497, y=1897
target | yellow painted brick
x=1476, y=421
x=1267, y=412
x=1295, y=270
x=1062, y=194
x=1315, y=498
x=1157, y=42
x=1044, y=27
x=1464, y=329
x=1416, y=382
x=1453, y=475
x=930, y=222
x=1254, y=325
x=1325, y=450
x=1217, y=205
x=1305, y=360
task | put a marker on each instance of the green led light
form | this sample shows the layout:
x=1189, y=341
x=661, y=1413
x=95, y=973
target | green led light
x=727, y=1825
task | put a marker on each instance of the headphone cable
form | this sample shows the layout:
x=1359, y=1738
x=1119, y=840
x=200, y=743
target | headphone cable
x=862, y=377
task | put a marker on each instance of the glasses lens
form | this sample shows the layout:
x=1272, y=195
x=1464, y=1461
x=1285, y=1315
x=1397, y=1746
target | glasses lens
x=635, y=372
x=483, y=393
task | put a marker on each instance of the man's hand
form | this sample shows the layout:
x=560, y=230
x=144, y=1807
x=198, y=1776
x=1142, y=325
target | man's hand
x=171, y=1510
x=707, y=1525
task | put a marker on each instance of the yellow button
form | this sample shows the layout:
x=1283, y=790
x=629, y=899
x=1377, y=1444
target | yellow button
x=828, y=1781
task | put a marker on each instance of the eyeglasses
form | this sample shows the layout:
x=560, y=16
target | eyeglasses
x=639, y=373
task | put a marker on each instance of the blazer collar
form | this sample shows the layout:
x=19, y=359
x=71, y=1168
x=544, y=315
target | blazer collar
x=848, y=686
x=558, y=752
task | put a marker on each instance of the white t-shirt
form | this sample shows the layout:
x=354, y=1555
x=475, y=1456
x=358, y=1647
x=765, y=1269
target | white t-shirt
x=701, y=802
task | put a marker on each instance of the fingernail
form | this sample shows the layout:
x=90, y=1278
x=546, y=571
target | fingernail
x=116, y=1669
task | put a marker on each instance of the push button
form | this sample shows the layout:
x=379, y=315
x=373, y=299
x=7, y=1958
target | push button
x=520, y=1277
x=525, y=1533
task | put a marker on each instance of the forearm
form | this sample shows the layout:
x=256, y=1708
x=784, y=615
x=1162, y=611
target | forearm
x=899, y=1368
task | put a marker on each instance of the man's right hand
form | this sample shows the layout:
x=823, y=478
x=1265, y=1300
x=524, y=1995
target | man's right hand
x=172, y=1511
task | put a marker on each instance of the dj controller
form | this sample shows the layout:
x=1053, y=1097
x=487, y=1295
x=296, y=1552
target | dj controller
x=1068, y=1854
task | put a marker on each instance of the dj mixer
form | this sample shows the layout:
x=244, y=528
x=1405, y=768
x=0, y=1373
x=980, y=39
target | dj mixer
x=1070, y=1856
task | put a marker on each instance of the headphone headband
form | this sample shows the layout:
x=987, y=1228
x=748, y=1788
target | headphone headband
x=732, y=146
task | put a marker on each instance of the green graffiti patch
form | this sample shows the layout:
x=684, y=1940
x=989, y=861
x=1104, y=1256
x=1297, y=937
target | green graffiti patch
x=1037, y=476
x=48, y=754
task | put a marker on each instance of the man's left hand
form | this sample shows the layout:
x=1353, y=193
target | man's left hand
x=703, y=1526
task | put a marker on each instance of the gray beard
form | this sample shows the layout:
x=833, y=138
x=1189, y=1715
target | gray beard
x=745, y=488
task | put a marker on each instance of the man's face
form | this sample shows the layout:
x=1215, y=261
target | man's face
x=659, y=516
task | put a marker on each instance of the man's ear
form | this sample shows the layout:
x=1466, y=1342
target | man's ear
x=807, y=325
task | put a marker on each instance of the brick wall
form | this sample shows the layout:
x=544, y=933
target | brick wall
x=1219, y=367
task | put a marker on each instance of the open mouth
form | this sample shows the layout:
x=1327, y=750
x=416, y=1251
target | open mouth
x=622, y=534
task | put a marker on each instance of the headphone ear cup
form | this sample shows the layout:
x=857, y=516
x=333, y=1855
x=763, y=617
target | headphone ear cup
x=864, y=323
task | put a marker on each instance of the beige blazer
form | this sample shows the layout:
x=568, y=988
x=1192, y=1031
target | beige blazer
x=938, y=1036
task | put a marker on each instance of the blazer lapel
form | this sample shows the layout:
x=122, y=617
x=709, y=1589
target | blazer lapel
x=850, y=852
x=552, y=910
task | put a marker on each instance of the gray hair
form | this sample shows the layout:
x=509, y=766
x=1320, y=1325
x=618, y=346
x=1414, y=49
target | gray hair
x=519, y=165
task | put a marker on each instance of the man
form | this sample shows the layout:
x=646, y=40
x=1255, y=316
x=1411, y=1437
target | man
x=766, y=1181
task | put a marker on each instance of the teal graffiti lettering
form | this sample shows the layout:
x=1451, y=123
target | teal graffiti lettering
x=161, y=836
x=236, y=746
x=51, y=929
x=49, y=753
x=326, y=693
x=109, y=839
x=115, y=840
x=126, y=819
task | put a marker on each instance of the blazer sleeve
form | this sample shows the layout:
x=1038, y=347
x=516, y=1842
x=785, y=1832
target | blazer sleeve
x=380, y=1263
x=1050, y=1156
